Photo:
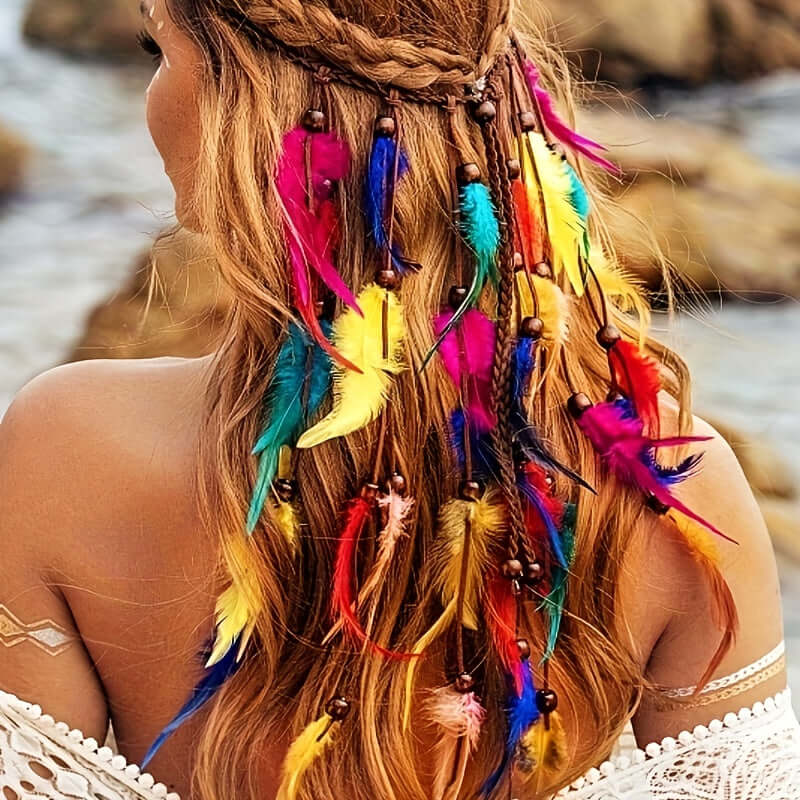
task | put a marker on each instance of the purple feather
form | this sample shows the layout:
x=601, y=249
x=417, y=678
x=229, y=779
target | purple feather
x=617, y=435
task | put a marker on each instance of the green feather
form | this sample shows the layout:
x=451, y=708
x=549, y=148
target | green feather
x=553, y=603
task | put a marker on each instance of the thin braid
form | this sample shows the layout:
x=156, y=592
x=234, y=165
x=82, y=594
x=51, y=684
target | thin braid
x=307, y=30
x=501, y=368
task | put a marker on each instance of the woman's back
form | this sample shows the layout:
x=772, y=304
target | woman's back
x=101, y=538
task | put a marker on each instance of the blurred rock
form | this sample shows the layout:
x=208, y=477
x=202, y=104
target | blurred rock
x=723, y=218
x=185, y=313
x=634, y=42
x=13, y=155
x=783, y=520
x=104, y=28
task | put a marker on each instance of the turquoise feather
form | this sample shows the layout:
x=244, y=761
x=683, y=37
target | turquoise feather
x=580, y=202
x=295, y=369
x=481, y=232
x=553, y=603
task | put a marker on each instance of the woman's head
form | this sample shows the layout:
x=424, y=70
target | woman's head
x=245, y=74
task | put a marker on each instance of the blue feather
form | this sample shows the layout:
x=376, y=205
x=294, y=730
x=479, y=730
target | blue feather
x=299, y=360
x=553, y=603
x=380, y=185
x=484, y=461
x=202, y=692
x=524, y=434
x=481, y=232
x=531, y=494
x=521, y=714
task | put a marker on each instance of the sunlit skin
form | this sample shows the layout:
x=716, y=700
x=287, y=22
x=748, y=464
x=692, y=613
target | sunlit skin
x=171, y=98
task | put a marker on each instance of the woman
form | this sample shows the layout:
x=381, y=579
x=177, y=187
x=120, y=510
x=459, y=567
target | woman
x=418, y=527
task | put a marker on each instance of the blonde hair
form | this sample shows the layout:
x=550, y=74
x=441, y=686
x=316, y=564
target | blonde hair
x=252, y=93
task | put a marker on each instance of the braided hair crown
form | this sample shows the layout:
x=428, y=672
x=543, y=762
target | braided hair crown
x=420, y=69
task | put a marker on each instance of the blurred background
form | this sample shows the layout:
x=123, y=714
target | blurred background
x=700, y=106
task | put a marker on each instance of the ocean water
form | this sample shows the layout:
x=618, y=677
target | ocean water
x=95, y=195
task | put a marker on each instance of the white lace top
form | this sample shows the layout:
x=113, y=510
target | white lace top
x=751, y=755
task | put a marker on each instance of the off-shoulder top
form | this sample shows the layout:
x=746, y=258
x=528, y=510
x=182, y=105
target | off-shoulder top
x=750, y=755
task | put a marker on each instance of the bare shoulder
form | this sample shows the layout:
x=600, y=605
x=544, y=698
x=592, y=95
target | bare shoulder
x=83, y=441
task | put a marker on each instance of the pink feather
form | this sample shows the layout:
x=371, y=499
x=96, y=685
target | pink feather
x=312, y=233
x=557, y=126
x=618, y=437
x=468, y=351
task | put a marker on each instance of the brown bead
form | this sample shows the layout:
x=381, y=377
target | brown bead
x=485, y=112
x=397, y=483
x=385, y=127
x=512, y=568
x=464, y=683
x=285, y=489
x=314, y=120
x=469, y=173
x=337, y=708
x=578, y=403
x=514, y=168
x=608, y=336
x=534, y=572
x=614, y=396
x=654, y=504
x=546, y=701
x=387, y=279
x=531, y=328
x=470, y=490
x=456, y=296
x=524, y=649
x=543, y=270
x=519, y=261
x=369, y=492
x=527, y=121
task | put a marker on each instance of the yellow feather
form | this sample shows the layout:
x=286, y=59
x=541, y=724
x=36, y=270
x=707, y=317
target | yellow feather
x=488, y=528
x=359, y=398
x=544, y=751
x=617, y=284
x=565, y=227
x=700, y=540
x=553, y=305
x=239, y=606
x=287, y=522
x=307, y=747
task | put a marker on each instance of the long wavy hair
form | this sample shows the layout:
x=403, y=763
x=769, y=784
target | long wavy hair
x=251, y=94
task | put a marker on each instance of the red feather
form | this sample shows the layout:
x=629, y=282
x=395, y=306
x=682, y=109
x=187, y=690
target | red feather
x=501, y=606
x=343, y=594
x=530, y=229
x=639, y=378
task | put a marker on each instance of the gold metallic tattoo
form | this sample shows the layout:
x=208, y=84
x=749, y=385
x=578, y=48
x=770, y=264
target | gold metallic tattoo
x=46, y=634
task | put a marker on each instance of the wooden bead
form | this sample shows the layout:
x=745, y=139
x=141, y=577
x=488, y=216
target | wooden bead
x=385, y=127
x=524, y=649
x=608, y=336
x=578, y=403
x=531, y=328
x=464, y=683
x=285, y=489
x=519, y=261
x=314, y=120
x=534, y=572
x=470, y=490
x=369, y=492
x=469, y=173
x=456, y=296
x=512, y=568
x=387, y=279
x=514, y=168
x=397, y=483
x=485, y=112
x=654, y=504
x=527, y=121
x=543, y=270
x=546, y=701
x=337, y=708
x=614, y=396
